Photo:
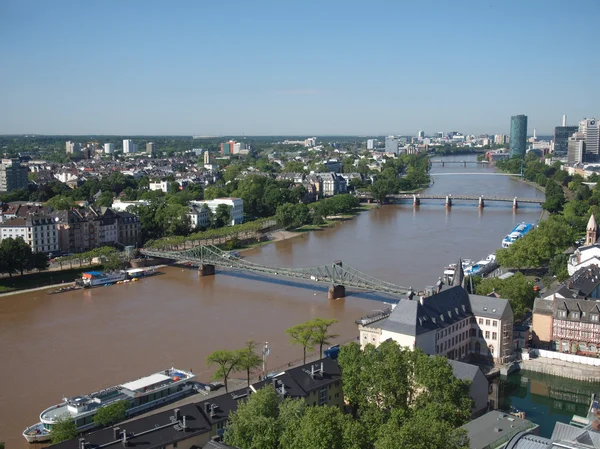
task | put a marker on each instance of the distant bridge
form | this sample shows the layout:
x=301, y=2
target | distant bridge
x=449, y=199
x=464, y=163
x=337, y=275
x=475, y=174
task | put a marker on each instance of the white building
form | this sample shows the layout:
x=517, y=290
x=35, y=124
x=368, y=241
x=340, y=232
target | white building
x=129, y=146
x=576, y=148
x=38, y=231
x=122, y=206
x=165, y=186
x=236, y=207
x=591, y=131
x=588, y=254
x=391, y=144
x=371, y=143
x=109, y=148
x=451, y=323
x=199, y=216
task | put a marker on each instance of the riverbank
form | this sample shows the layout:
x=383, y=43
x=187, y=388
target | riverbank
x=40, y=281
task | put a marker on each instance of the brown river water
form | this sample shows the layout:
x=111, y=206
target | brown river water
x=78, y=342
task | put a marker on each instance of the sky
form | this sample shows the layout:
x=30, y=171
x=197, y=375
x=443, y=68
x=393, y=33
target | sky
x=324, y=67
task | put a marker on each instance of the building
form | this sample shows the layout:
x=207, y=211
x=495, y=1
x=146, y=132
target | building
x=331, y=184
x=371, y=144
x=199, y=216
x=120, y=205
x=232, y=147
x=206, y=157
x=479, y=385
x=495, y=428
x=391, y=144
x=12, y=175
x=518, y=135
x=129, y=146
x=451, y=323
x=151, y=148
x=500, y=139
x=109, y=148
x=72, y=147
x=591, y=131
x=561, y=139
x=589, y=253
x=421, y=134
x=129, y=229
x=236, y=207
x=38, y=231
x=165, y=186
x=576, y=149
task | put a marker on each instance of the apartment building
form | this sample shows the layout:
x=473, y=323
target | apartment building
x=199, y=216
x=451, y=323
x=12, y=175
x=236, y=207
x=38, y=231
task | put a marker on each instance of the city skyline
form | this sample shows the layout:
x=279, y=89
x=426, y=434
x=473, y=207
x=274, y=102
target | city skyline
x=307, y=69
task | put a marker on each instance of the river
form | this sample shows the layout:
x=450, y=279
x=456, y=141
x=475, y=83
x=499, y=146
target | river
x=82, y=341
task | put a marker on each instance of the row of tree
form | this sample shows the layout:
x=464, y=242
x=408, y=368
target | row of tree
x=16, y=256
x=397, y=398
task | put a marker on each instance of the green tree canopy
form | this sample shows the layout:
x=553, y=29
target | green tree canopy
x=111, y=414
x=517, y=289
x=63, y=429
x=226, y=361
x=248, y=359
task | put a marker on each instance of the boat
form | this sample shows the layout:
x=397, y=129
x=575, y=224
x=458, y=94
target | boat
x=478, y=266
x=135, y=273
x=451, y=269
x=141, y=394
x=518, y=232
x=69, y=288
x=99, y=278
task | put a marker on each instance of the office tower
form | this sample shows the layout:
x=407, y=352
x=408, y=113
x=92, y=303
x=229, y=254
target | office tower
x=421, y=134
x=561, y=137
x=73, y=147
x=12, y=175
x=206, y=157
x=227, y=148
x=391, y=144
x=371, y=144
x=109, y=148
x=151, y=148
x=129, y=146
x=591, y=131
x=576, y=151
x=500, y=139
x=518, y=135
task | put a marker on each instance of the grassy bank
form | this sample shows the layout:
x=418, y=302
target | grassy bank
x=36, y=280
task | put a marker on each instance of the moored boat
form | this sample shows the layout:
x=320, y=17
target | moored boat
x=518, y=232
x=141, y=394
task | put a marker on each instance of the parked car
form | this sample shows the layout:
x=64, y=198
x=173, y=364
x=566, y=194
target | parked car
x=213, y=386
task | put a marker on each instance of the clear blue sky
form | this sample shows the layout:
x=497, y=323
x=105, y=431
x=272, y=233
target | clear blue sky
x=295, y=67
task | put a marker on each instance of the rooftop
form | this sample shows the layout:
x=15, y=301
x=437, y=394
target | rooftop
x=494, y=429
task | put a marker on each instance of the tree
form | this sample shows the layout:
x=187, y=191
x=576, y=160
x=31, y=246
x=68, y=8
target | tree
x=112, y=261
x=39, y=261
x=226, y=361
x=63, y=429
x=105, y=199
x=302, y=334
x=249, y=360
x=18, y=255
x=111, y=414
x=222, y=216
x=60, y=202
x=292, y=216
x=381, y=188
x=517, y=289
x=320, y=332
x=212, y=192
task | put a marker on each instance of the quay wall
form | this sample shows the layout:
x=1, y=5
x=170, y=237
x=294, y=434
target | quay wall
x=562, y=365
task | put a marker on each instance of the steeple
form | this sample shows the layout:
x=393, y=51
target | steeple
x=459, y=274
x=591, y=231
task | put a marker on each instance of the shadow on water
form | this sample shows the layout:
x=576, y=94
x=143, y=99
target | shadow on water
x=323, y=288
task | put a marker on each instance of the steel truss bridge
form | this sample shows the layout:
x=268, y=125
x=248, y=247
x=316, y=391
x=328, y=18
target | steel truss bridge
x=336, y=274
x=467, y=198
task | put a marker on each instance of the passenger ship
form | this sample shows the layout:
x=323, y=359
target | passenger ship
x=141, y=394
x=518, y=232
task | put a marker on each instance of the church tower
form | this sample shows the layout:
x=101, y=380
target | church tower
x=459, y=274
x=591, y=231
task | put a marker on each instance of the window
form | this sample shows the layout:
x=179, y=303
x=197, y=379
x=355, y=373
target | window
x=487, y=322
x=594, y=317
x=480, y=320
x=494, y=335
x=487, y=334
x=323, y=396
x=495, y=323
x=480, y=334
x=575, y=315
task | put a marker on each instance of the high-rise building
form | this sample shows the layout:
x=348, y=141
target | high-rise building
x=591, y=131
x=518, y=135
x=576, y=149
x=151, y=148
x=206, y=157
x=421, y=134
x=12, y=175
x=561, y=138
x=500, y=139
x=391, y=144
x=129, y=146
x=109, y=148
x=227, y=148
x=73, y=147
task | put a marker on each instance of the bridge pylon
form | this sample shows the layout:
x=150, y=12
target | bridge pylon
x=206, y=269
x=481, y=203
x=336, y=292
x=416, y=201
x=448, y=201
x=515, y=203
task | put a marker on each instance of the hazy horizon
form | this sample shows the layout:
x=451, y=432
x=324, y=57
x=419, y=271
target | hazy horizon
x=313, y=68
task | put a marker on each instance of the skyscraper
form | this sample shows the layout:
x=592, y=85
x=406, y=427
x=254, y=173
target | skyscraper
x=12, y=175
x=129, y=146
x=591, y=131
x=518, y=135
x=576, y=149
x=421, y=134
x=391, y=144
x=73, y=147
x=561, y=137
x=109, y=148
x=151, y=148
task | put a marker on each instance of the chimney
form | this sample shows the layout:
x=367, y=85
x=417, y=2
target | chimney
x=207, y=408
x=212, y=410
x=565, y=120
x=125, y=442
x=183, y=423
x=321, y=368
x=176, y=413
x=81, y=443
x=116, y=433
x=312, y=371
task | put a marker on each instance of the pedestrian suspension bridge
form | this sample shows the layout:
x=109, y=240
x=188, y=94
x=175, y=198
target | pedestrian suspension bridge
x=337, y=275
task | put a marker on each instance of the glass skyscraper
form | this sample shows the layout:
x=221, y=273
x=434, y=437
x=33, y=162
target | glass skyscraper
x=518, y=135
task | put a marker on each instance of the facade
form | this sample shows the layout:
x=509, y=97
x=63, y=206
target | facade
x=128, y=228
x=72, y=147
x=561, y=139
x=129, y=146
x=12, y=175
x=518, y=135
x=109, y=148
x=151, y=148
x=38, y=231
x=479, y=385
x=589, y=254
x=391, y=144
x=206, y=157
x=451, y=323
x=331, y=184
x=567, y=317
x=576, y=149
x=227, y=148
x=500, y=139
x=591, y=131
x=371, y=143
x=236, y=207
x=199, y=216
x=165, y=186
